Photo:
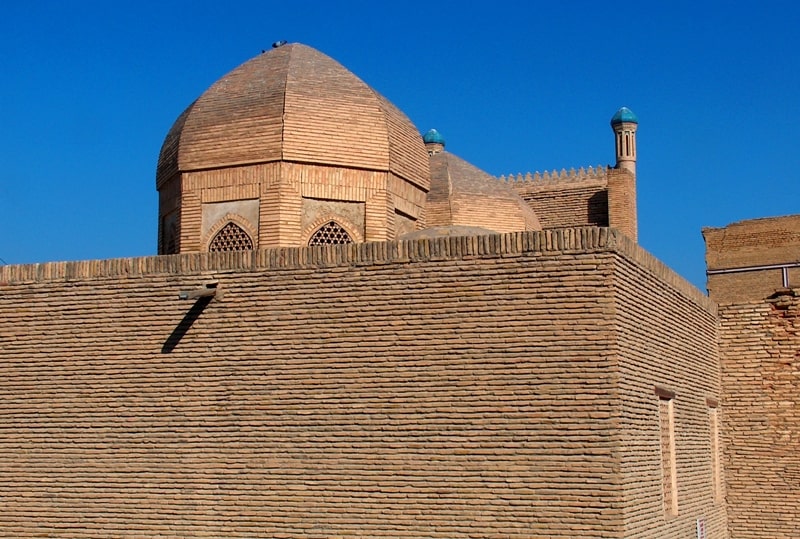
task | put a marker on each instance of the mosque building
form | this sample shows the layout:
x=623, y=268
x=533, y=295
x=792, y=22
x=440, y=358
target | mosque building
x=291, y=149
x=349, y=331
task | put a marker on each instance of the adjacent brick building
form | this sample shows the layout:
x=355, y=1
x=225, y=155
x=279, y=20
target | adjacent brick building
x=382, y=340
x=753, y=274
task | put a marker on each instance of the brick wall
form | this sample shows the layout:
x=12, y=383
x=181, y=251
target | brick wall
x=566, y=199
x=666, y=340
x=759, y=343
x=588, y=197
x=622, y=213
x=755, y=242
x=453, y=387
x=570, y=207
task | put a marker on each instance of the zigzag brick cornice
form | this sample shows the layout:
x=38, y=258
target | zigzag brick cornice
x=552, y=179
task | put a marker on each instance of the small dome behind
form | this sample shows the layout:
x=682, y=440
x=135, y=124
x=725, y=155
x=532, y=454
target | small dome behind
x=624, y=115
x=433, y=137
x=463, y=195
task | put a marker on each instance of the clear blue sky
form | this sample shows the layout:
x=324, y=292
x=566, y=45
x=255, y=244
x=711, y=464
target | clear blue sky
x=90, y=89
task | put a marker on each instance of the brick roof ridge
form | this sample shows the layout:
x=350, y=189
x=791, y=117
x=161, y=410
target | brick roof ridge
x=410, y=157
x=167, y=165
x=475, y=176
x=446, y=157
x=283, y=106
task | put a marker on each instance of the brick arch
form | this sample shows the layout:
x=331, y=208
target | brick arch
x=351, y=229
x=235, y=219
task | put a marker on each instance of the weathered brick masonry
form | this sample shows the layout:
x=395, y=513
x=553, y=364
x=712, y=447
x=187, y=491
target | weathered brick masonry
x=497, y=386
x=759, y=357
x=759, y=350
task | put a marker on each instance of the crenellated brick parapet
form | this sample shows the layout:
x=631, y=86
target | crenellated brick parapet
x=593, y=196
x=550, y=179
x=566, y=198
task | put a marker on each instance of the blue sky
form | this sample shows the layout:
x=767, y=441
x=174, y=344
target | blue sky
x=90, y=89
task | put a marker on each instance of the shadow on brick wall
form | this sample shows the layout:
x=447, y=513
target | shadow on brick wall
x=183, y=326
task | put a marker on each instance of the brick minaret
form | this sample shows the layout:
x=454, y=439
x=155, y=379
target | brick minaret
x=622, y=180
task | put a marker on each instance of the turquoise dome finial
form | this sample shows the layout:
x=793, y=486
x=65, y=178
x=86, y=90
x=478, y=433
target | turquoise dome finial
x=624, y=115
x=433, y=137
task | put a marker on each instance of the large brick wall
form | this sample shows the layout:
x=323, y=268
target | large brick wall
x=453, y=387
x=666, y=340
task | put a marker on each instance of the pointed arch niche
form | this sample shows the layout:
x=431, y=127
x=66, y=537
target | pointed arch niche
x=331, y=230
x=231, y=233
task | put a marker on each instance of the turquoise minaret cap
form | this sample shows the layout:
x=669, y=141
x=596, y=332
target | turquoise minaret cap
x=624, y=115
x=433, y=137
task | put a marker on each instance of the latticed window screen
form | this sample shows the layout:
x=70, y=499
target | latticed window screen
x=331, y=233
x=231, y=238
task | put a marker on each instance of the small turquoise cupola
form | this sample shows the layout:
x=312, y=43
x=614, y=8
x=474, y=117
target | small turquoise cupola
x=624, y=115
x=434, y=141
x=624, y=123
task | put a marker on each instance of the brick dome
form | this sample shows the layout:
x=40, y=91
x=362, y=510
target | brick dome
x=462, y=195
x=293, y=103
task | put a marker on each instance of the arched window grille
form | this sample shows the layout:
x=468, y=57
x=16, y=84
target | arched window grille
x=331, y=233
x=231, y=238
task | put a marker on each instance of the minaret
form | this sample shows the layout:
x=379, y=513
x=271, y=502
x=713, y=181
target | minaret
x=622, y=178
x=624, y=124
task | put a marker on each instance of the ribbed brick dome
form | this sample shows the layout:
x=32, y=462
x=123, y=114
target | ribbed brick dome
x=293, y=103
